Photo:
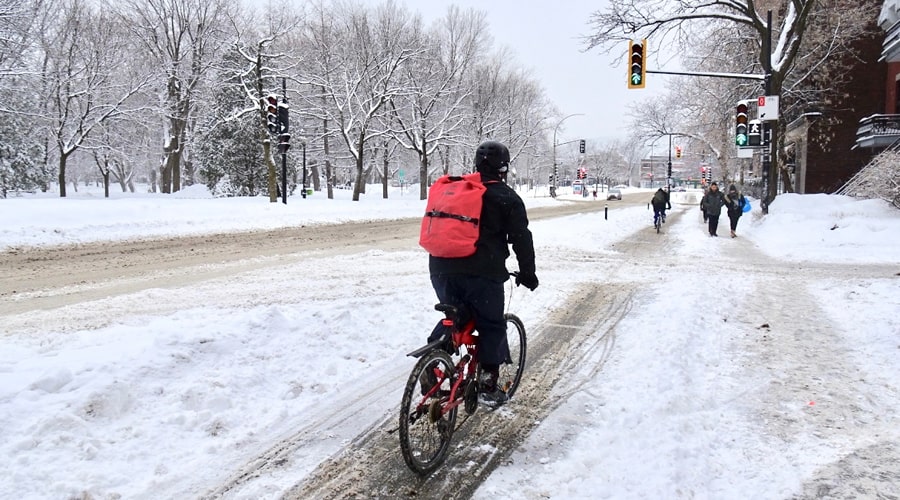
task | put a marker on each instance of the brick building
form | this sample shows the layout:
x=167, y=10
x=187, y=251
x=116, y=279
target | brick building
x=821, y=144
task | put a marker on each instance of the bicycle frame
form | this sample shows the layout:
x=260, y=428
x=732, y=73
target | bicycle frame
x=445, y=377
x=465, y=369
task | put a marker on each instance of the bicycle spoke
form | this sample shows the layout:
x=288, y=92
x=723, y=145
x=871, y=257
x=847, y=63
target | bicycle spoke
x=425, y=431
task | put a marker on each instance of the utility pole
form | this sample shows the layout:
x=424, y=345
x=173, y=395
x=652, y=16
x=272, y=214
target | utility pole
x=767, y=152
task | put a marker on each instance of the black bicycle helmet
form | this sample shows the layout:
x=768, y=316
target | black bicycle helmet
x=491, y=156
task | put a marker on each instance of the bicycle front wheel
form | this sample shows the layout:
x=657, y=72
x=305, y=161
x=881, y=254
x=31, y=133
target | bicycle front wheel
x=425, y=425
x=511, y=371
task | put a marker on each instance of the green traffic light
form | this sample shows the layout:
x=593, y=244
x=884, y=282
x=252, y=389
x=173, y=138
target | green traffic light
x=636, y=79
x=741, y=140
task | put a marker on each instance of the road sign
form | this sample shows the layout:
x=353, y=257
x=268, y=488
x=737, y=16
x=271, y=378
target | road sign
x=767, y=107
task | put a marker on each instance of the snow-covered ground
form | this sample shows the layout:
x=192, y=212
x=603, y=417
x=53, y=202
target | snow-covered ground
x=169, y=405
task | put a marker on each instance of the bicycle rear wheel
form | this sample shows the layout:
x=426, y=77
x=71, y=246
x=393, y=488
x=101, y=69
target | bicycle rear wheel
x=424, y=431
x=511, y=372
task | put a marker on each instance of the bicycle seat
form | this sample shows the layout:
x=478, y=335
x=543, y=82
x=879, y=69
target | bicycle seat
x=446, y=309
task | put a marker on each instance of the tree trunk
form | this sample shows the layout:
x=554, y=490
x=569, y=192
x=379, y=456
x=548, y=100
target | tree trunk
x=272, y=172
x=423, y=176
x=357, y=186
x=329, y=175
x=62, y=175
x=314, y=173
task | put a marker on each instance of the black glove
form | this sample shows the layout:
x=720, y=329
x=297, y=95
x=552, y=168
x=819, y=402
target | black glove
x=529, y=280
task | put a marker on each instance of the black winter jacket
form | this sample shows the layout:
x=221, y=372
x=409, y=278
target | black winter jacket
x=735, y=202
x=712, y=202
x=503, y=222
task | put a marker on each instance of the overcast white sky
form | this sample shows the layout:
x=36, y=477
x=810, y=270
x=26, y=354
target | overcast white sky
x=546, y=38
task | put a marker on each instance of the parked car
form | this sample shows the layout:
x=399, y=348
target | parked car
x=614, y=194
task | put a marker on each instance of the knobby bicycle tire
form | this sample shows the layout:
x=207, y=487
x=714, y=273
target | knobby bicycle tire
x=511, y=372
x=424, y=433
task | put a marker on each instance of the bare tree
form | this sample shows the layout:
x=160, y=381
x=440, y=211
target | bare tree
x=430, y=115
x=182, y=38
x=265, y=67
x=20, y=20
x=89, y=77
x=624, y=19
x=375, y=45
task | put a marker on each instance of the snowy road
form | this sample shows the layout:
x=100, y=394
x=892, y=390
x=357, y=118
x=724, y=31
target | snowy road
x=669, y=365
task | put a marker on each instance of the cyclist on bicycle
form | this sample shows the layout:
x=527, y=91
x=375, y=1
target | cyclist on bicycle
x=660, y=203
x=475, y=284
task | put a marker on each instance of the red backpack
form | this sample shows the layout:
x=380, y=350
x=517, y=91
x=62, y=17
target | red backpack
x=452, y=223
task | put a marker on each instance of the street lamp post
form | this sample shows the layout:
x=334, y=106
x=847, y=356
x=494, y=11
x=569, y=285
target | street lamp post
x=555, y=182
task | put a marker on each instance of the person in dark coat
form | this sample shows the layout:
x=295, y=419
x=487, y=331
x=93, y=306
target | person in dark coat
x=475, y=284
x=702, y=208
x=660, y=202
x=712, y=204
x=735, y=202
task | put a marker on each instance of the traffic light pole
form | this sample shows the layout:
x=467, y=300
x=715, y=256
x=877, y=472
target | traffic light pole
x=669, y=170
x=284, y=152
x=737, y=76
x=767, y=153
x=303, y=145
x=555, y=183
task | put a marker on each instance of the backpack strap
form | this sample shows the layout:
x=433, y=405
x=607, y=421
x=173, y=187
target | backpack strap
x=464, y=218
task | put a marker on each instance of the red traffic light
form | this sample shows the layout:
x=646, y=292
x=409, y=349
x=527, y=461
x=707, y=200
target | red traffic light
x=742, y=113
x=272, y=114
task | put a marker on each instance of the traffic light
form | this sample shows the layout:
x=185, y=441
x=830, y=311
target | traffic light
x=741, y=137
x=283, y=116
x=581, y=146
x=754, y=134
x=284, y=143
x=677, y=151
x=637, y=65
x=272, y=114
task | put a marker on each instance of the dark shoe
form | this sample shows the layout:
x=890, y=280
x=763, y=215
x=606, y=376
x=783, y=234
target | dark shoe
x=489, y=391
x=495, y=397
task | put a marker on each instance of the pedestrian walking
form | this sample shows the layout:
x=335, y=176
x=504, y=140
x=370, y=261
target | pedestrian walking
x=702, y=208
x=735, y=202
x=712, y=204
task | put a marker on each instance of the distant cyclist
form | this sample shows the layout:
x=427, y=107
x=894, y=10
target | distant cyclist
x=660, y=203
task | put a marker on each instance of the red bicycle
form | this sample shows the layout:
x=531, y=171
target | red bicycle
x=446, y=377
